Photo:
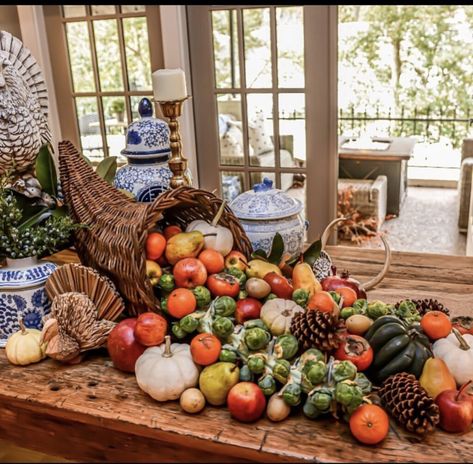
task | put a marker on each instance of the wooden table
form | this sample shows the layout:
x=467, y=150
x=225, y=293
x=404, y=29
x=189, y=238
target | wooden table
x=369, y=164
x=93, y=412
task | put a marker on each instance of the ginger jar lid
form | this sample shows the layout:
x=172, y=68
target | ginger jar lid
x=265, y=202
x=148, y=137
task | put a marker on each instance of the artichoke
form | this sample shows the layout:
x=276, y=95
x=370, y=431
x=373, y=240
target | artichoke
x=189, y=323
x=286, y=346
x=222, y=327
x=256, y=364
x=267, y=384
x=166, y=282
x=202, y=296
x=292, y=394
x=281, y=370
x=256, y=338
x=227, y=356
x=301, y=297
x=343, y=370
x=376, y=309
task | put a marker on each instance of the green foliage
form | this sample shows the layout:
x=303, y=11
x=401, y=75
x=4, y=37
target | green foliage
x=46, y=171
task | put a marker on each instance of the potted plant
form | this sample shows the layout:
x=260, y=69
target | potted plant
x=117, y=107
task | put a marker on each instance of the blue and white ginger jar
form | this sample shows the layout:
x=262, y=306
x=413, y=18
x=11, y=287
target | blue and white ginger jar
x=147, y=173
x=22, y=295
x=264, y=211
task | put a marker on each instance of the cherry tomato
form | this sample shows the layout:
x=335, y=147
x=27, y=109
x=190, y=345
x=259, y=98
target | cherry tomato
x=357, y=350
x=223, y=284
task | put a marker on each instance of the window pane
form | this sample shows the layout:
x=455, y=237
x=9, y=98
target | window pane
x=225, y=43
x=80, y=57
x=295, y=186
x=260, y=129
x=257, y=178
x=132, y=8
x=257, y=47
x=73, y=11
x=290, y=33
x=137, y=53
x=232, y=184
x=89, y=127
x=103, y=9
x=115, y=124
x=108, y=55
x=135, y=101
x=292, y=139
x=230, y=130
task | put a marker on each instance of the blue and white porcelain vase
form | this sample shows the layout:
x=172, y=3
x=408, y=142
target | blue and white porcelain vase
x=147, y=173
x=264, y=211
x=22, y=295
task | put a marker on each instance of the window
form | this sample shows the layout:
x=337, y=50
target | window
x=106, y=53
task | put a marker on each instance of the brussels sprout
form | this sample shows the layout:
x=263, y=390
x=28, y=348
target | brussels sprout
x=360, y=306
x=335, y=297
x=300, y=296
x=177, y=330
x=189, y=323
x=256, y=338
x=286, y=346
x=164, y=305
x=225, y=306
x=407, y=311
x=281, y=370
x=222, y=327
x=343, y=370
x=292, y=394
x=166, y=282
x=348, y=394
x=267, y=384
x=256, y=364
x=315, y=372
x=240, y=275
x=312, y=354
x=271, y=296
x=306, y=385
x=202, y=296
x=310, y=410
x=345, y=313
x=363, y=382
x=245, y=374
x=242, y=295
x=376, y=309
x=255, y=323
x=321, y=399
x=227, y=356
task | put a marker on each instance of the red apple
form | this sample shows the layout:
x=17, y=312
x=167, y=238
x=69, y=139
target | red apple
x=150, y=329
x=123, y=347
x=246, y=309
x=246, y=402
x=456, y=410
x=236, y=260
x=280, y=286
x=189, y=273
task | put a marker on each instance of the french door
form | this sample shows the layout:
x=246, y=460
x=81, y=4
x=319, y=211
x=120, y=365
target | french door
x=264, y=84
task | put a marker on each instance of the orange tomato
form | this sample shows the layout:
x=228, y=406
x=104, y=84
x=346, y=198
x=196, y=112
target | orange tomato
x=322, y=301
x=436, y=324
x=349, y=296
x=369, y=424
x=155, y=245
x=169, y=231
x=205, y=349
x=213, y=260
x=181, y=302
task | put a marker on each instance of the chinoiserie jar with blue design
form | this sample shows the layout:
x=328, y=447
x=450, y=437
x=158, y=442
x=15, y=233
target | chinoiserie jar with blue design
x=264, y=211
x=147, y=173
x=22, y=295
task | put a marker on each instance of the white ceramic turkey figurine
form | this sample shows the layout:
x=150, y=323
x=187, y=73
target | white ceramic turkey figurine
x=23, y=106
x=165, y=371
x=217, y=237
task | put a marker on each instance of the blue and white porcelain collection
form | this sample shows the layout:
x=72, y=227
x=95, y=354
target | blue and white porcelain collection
x=266, y=210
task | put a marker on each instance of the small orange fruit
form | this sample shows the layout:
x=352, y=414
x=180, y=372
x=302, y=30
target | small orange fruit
x=155, y=245
x=369, y=424
x=169, y=231
x=181, y=302
x=213, y=260
x=349, y=296
x=436, y=324
x=322, y=301
x=205, y=349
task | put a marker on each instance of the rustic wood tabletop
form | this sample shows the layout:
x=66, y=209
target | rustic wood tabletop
x=93, y=412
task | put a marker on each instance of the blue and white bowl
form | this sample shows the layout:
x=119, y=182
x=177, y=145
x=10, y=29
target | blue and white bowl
x=264, y=211
x=22, y=295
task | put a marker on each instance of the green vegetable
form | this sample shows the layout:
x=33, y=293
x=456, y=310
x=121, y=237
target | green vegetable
x=376, y=309
x=255, y=323
x=348, y=394
x=343, y=370
x=286, y=346
x=345, y=313
x=224, y=306
x=202, y=295
x=227, y=356
x=312, y=354
x=242, y=295
x=267, y=384
x=360, y=306
x=407, y=311
x=222, y=327
x=245, y=374
x=315, y=371
x=335, y=297
x=363, y=382
x=166, y=282
x=292, y=394
x=189, y=323
x=164, y=305
x=271, y=296
x=310, y=410
x=256, y=338
x=177, y=330
x=300, y=296
x=256, y=364
x=281, y=370
x=321, y=399
x=240, y=275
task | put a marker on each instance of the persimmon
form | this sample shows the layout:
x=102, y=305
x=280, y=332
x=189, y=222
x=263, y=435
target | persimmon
x=181, y=302
x=369, y=424
x=436, y=324
x=213, y=260
x=322, y=301
x=155, y=245
x=349, y=296
x=169, y=231
x=205, y=349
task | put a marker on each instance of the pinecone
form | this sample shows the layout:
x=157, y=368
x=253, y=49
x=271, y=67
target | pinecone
x=409, y=403
x=426, y=305
x=315, y=329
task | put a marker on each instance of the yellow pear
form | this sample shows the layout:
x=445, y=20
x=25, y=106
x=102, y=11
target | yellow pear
x=184, y=245
x=217, y=380
x=436, y=377
x=259, y=268
x=303, y=277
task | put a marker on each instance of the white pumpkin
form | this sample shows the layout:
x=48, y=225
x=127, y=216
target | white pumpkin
x=277, y=314
x=25, y=347
x=165, y=371
x=216, y=237
x=456, y=351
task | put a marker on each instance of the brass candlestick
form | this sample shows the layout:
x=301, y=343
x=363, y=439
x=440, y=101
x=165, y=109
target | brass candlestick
x=178, y=162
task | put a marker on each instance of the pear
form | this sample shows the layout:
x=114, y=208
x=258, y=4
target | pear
x=216, y=381
x=184, y=245
x=259, y=268
x=303, y=277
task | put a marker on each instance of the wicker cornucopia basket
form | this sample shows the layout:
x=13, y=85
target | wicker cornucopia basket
x=113, y=239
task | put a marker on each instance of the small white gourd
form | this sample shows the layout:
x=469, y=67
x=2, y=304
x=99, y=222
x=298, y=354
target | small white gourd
x=24, y=347
x=277, y=314
x=165, y=371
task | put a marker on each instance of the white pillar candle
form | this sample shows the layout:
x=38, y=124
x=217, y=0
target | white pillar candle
x=169, y=84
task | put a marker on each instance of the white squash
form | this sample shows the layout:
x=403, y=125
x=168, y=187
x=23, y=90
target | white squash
x=165, y=371
x=277, y=314
x=216, y=237
x=25, y=347
x=456, y=351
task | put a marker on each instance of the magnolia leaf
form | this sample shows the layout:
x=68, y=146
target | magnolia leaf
x=60, y=212
x=259, y=254
x=293, y=260
x=313, y=252
x=46, y=171
x=277, y=249
x=37, y=218
x=107, y=168
x=28, y=206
